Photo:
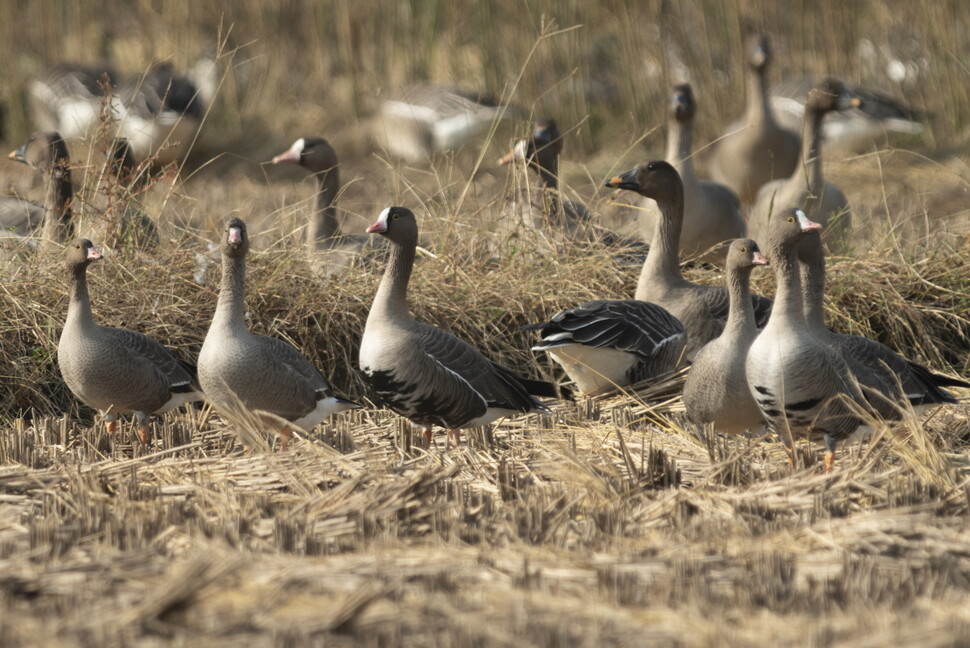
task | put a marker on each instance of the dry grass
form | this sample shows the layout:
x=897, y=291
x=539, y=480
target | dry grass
x=604, y=523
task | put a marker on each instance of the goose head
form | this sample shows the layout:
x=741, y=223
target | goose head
x=745, y=253
x=655, y=179
x=789, y=227
x=759, y=52
x=235, y=240
x=312, y=153
x=397, y=224
x=830, y=95
x=43, y=151
x=80, y=254
x=682, y=106
x=542, y=148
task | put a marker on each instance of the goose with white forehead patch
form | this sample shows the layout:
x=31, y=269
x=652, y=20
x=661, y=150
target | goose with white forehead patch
x=801, y=385
x=332, y=253
x=246, y=373
x=424, y=373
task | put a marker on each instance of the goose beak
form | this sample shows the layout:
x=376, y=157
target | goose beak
x=380, y=226
x=806, y=224
x=94, y=254
x=848, y=101
x=518, y=152
x=235, y=236
x=290, y=157
x=20, y=155
x=759, y=259
x=627, y=180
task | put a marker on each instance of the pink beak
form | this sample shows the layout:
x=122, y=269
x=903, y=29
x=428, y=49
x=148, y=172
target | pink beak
x=759, y=259
x=235, y=235
x=94, y=254
x=290, y=157
x=377, y=228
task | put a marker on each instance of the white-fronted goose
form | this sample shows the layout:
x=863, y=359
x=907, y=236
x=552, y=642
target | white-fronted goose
x=802, y=385
x=887, y=378
x=756, y=150
x=159, y=112
x=822, y=201
x=47, y=153
x=712, y=213
x=258, y=374
x=428, y=118
x=422, y=372
x=113, y=370
x=540, y=152
x=716, y=392
x=855, y=129
x=606, y=344
x=703, y=310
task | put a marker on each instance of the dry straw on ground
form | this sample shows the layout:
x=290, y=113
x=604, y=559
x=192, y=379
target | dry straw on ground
x=606, y=522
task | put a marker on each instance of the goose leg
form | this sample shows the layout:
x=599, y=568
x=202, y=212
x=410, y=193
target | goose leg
x=142, y=430
x=285, y=434
x=829, y=461
x=111, y=425
x=429, y=435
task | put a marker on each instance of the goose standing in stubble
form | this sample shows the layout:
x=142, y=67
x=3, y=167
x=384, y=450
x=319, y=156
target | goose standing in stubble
x=239, y=369
x=716, y=392
x=888, y=380
x=821, y=201
x=113, y=370
x=712, y=213
x=801, y=385
x=332, y=253
x=46, y=152
x=755, y=150
x=703, y=310
x=422, y=372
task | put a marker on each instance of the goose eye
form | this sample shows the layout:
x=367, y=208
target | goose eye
x=791, y=219
x=744, y=249
x=395, y=216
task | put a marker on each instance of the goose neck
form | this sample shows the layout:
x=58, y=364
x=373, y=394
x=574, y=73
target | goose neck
x=811, y=168
x=788, y=294
x=813, y=291
x=662, y=265
x=79, y=306
x=323, y=225
x=231, y=306
x=391, y=298
x=758, y=109
x=58, y=209
x=740, y=308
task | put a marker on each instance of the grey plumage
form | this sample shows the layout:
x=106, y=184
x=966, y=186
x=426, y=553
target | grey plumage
x=244, y=373
x=716, y=391
x=116, y=370
x=702, y=310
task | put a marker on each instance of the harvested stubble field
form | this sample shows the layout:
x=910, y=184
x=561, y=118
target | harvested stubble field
x=604, y=523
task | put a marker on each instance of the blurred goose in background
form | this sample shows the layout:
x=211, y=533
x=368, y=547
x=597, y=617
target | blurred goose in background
x=756, y=149
x=716, y=392
x=806, y=188
x=703, y=310
x=246, y=374
x=114, y=370
x=425, y=119
x=540, y=152
x=888, y=379
x=159, y=112
x=332, y=252
x=712, y=213
x=47, y=153
x=857, y=128
x=422, y=372
x=801, y=384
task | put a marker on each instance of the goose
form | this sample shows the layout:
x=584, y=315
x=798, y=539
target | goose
x=822, y=201
x=606, y=344
x=114, y=370
x=159, y=112
x=540, y=152
x=716, y=392
x=424, y=119
x=712, y=212
x=755, y=150
x=422, y=372
x=46, y=152
x=856, y=129
x=333, y=253
x=801, y=385
x=703, y=310
x=243, y=372
x=888, y=379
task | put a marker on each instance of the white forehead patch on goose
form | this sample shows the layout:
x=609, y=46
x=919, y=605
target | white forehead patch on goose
x=382, y=219
x=298, y=146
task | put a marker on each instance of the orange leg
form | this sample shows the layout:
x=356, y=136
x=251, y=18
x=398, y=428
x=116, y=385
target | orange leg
x=111, y=426
x=829, y=462
x=429, y=435
x=285, y=434
x=143, y=434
